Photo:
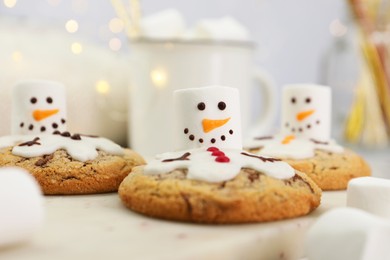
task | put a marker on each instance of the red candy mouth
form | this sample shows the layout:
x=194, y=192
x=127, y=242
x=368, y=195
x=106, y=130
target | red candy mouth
x=220, y=156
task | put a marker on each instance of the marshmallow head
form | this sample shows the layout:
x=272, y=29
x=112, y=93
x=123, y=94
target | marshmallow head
x=38, y=107
x=208, y=116
x=306, y=111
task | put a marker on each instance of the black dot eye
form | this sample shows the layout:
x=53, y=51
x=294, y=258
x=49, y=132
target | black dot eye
x=49, y=100
x=293, y=100
x=308, y=100
x=201, y=106
x=33, y=100
x=221, y=105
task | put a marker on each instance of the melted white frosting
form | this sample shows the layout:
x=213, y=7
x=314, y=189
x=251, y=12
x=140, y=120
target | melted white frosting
x=298, y=148
x=202, y=165
x=80, y=150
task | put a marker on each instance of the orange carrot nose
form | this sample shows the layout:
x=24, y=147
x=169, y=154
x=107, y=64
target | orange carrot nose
x=209, y=125
x=304, y=114
x=288, y=139
x=42, y=114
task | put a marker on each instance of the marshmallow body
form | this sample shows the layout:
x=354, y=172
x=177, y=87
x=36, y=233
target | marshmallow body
x=306, y=111
x=370, y=194
x=21, y=206
x=38, y=106
x=348, y=234
x=166, y=24
x=208, y=116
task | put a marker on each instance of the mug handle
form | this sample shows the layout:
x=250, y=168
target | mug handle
x=265, y=121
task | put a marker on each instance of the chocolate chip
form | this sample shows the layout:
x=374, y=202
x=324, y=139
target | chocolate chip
x=30, y=127
x=201, y=106
x=76, y=137
x=307, y=100
x=56, y=132
x=212, y=140
x=221, y=105
x=308, y=126
x=54, y=125
x=33, y=100
x=21, y=124
x=63, y=121
x=44, y=160
x=287, y=124
x=192, y=137
x=49, y=100
x=31, y=143
x=186, y=130
x=293, y=100
x=65, y=134
x=318, y=122
x=231, y=131
x=293, y=129
x=43, y=129
x=200, y=140
x=300, y=129
x=223, y=138
x=184, y=157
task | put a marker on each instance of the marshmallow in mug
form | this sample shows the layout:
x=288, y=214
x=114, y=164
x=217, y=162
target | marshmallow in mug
x=207, y=116
x=166, y=24
x=306, y=111
x=225, y=28
x=348, y=234
x=21, y=206
x=38, y=106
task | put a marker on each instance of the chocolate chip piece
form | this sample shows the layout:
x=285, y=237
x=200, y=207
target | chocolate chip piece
x=186, y=131
x=43, y=129
x=221, y=105
x=293, y=129
x=76, y=137
x=63, y=121
x=54, y=125
x=33, y=100
x=223, y=138
x=318, y=122
x=212, y=140
x=65, y=134
x=31, y=143
x=56, y=132
x=201, y=106
x=44, y=160
x=308, y=100
x=308, y=126
x=300, y=129
x=231, y=131
x=287, y=124
x=49, y=100
x=30, y=127
x=184, y=157
x=293, y=100
x=200, y=140
x=21, y=124
x=192, y=137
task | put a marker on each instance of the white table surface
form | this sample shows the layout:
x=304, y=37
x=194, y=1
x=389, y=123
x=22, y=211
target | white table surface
x=100, y=227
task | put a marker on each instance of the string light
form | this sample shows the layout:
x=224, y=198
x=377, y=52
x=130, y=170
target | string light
x=159, y=77
x=72, y=26
x=116, y=25
x=115, y=44
x=102, y=86
x=76, y=48
x=10, y=3
x=17, y=56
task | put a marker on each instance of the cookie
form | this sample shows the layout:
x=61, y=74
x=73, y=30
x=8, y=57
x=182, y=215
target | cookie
x=330, y=166
x=219, y=186
x=70, y=164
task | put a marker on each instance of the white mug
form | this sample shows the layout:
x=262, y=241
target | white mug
x=160, y=67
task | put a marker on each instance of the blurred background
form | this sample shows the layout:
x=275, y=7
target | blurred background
x=84, y=44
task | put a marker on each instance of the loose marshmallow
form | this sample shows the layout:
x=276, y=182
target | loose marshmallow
x=306, y=111
x=208, y=116
x=348, y=234
x=166, y=24
x=225, y=28
x=21, y=206
x=370, y=194
x=38, y=106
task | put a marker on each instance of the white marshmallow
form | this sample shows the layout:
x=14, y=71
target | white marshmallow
x=166, y=24
x=370, y=194
x=208, y=116
x=21, y=206
x=348, y=234
x=306, y=111
x=38, y=106
x=225, y=28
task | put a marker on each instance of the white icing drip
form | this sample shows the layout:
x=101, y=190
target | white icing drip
x=80, y=150
x=298, y=148
x=202, y=166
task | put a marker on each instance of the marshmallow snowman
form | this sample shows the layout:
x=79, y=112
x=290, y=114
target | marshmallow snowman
x=208, y=116
x=306, y=111
x=38, y=107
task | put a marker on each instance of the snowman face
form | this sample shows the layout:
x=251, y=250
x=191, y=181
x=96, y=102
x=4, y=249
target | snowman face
x=306, y=111
x=38, y=107
x=208, y=116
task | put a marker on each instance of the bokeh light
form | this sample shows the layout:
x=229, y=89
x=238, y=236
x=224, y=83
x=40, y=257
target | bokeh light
x=116, y=25
x=102, y=87
x=115, y=44
x=10, y=3
x=76, y=48
x=72, y=26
